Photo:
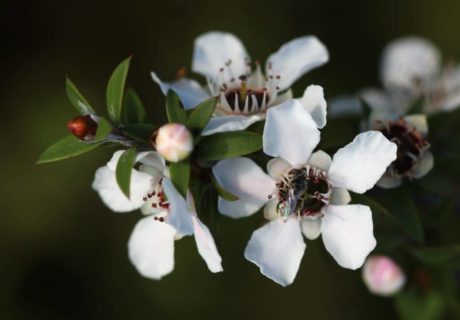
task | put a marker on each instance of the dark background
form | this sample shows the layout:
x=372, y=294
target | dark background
x=62, y=253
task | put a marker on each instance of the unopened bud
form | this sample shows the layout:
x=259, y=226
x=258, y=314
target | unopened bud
x=174, y=142
x=383, y=276
x=83, y=127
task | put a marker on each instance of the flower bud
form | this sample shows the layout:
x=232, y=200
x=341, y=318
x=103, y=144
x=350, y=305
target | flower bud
x=383, y=276
x=83, y=127
x=173, y=142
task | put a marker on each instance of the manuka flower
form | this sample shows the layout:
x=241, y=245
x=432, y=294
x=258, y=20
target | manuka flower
x=414, y=159
x=411, y=69
x=305, y=192
x=169, y=215
x=245, y=95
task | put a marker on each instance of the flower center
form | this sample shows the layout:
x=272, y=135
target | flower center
x=411, y=145
x=247, y=93
x=245, y=101
x=303, y=192
x=157, y=199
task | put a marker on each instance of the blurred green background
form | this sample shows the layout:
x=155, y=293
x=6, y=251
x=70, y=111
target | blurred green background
x=63, y=254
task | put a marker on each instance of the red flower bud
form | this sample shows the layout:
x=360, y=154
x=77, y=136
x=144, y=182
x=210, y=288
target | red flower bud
x=83, y=127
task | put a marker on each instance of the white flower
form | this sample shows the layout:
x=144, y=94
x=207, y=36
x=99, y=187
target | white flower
x=169, y=215
x=383, y=276
x=304, y=192
x=410, y=68
x=409, y=63
x=245, y=95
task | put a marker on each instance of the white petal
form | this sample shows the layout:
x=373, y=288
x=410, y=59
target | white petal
x=112, y=164
x=409, y=61
x=239, y=208
x=314, y=102
x=347, y=233
x=230, y=123
x=389, y=182
x=151, y=158
x=277, y=249
x=206, y=246
x=151, y=248
x=360, y=164
x=384, y=105
x=277, y=167
x=296, y=58
x=419, y=122
x=311, y=228
x=320, y=160
x=179, y=215
x=282, y=97
x=424, y=165
x=106, y=185
x=246, y=180
x=340, y=196
x=213, y=50
x=189, y=91
x=270, y=210
x=290, y=133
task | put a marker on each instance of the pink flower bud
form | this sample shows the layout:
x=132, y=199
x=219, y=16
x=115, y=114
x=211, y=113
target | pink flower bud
x=83, y=127
x=174, y=142
x=382, y=276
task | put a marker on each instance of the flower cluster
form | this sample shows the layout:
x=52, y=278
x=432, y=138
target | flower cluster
x=243, y=145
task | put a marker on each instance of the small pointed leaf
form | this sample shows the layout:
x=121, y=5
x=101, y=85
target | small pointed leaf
x=174, y=110
x=229, y=144
x=115, y=90
x=133, y=109
x=180, y=176
x=65, y=148
x=103, y=129
x=200, y=115
x=76, y=98
x=124, y=169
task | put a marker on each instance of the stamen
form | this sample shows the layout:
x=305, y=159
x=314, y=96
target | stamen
x=303, y=192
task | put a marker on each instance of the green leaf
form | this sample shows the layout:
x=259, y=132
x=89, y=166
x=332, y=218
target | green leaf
x=229, y=144
x=65, y=148
x=258, y=127
x=124, y=169
x=174, y=109
x=76, y=98
x=180, y=176
x=446, y=256
x=133, y=109
x=416, y=107
x=115, y=90
x=140, y=132
x=103, y=129
x=403, y=208
x=221, y=191
x=199, y=117
x=412, y=305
